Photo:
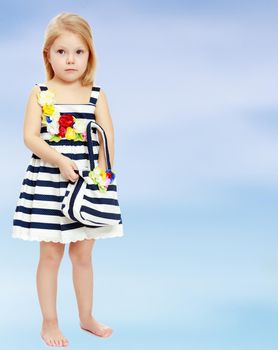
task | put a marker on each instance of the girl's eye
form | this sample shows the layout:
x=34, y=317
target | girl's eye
x=78, y=51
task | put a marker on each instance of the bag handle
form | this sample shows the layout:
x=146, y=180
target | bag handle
x=91, y=125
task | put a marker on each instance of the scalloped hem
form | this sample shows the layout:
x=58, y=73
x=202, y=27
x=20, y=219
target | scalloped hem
x=67, y=237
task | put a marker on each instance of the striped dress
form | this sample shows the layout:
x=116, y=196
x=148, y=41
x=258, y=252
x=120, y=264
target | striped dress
x=38, y=215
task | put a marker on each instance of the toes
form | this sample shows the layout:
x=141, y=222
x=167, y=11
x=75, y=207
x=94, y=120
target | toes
x=105, y=332
x=58, y=341
x=64, y=342
x=47, y=341
x=108, y=332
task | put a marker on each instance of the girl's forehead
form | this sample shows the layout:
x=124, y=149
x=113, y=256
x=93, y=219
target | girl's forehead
x=69, y=39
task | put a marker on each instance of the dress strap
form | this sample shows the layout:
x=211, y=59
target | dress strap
x=43, y=87
x=94, y=94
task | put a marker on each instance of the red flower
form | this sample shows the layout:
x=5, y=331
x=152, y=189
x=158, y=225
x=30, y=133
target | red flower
x=62, y=131
x=66, y=120
x=110, y=175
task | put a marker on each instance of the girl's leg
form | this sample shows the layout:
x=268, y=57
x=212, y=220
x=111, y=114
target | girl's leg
x=50, y=257
x=80, y=253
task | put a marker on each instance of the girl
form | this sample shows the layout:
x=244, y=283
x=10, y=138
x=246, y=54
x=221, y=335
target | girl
x=59, y=147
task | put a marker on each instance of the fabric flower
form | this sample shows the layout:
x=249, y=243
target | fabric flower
x=70, y=133
x=102, y=178
x=62, y=131
x=56, y=115
x=110, y=175
x=48, y=109
x=66, y=120
x=79, y=137
x=80, y=125
x=53, y=127
x=55, y=138
x=60, y=126
x=46, y=97
x=84, y=135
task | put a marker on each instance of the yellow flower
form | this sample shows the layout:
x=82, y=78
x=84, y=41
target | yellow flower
x=48, y=109
x=99, y=172
x=103, y=174
x=70, y=133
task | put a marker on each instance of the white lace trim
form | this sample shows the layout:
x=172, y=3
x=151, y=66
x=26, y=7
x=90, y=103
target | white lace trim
x=75, y=235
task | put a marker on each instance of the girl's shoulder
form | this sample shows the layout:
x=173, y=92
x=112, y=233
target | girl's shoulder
x=34, y=92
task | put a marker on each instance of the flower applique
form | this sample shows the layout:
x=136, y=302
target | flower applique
x=102, y=178
x=60, y=126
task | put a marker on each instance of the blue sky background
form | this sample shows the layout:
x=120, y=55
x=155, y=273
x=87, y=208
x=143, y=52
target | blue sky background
x=192, y=90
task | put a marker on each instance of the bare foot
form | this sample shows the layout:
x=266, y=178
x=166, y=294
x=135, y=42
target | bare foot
x=93, y=326
x=52, y=335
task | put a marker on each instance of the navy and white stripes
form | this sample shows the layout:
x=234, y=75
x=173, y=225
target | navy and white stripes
x=38, y=215
x=84, y=202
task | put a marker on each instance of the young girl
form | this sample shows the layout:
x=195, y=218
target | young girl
x=59, y=148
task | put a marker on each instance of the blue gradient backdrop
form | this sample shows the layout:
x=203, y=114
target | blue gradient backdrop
x=192, y=90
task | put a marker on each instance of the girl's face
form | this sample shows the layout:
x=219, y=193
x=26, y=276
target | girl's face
x=68, y=56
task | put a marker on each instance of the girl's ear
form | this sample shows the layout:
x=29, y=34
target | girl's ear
x=48, y=55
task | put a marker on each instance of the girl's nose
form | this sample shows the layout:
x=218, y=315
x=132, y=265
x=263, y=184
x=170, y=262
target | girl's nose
x=70, y=59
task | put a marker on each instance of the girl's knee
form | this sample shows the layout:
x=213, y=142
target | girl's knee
x=51, y=252
x=81, y=253
x=81, y=260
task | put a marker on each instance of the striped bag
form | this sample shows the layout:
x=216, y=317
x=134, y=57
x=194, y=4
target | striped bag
x=93, y=199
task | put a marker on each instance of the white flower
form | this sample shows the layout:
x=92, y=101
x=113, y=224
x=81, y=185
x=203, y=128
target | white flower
x=53, y=127
x=46, y=97
x=56, y=115
x=79, y=125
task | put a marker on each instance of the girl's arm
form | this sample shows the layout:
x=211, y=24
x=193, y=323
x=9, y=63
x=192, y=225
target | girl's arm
x=31, y=131
x=103, y=118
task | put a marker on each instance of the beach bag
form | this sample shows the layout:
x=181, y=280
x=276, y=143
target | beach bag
x=92, y=199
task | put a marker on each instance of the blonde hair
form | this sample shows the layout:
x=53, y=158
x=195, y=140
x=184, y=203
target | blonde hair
x=77, y=25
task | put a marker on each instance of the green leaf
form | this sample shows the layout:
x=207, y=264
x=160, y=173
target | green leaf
x=78, y=137
x=55, y=138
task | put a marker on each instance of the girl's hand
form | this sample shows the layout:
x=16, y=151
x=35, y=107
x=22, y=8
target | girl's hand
x=67, y=167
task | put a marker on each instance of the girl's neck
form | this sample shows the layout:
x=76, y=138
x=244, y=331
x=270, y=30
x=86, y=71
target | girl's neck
x=73, y=85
